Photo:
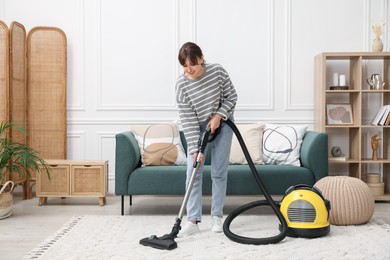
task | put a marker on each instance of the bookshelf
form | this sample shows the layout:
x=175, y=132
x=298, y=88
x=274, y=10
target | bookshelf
x=359, y=104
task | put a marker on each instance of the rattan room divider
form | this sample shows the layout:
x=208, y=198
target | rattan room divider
x=17, y=91
x=18, y=80
x=46, y=81
x=4, y=72
x=33, y=89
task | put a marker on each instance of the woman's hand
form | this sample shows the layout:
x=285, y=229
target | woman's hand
x=215, y=122
x=195, y=155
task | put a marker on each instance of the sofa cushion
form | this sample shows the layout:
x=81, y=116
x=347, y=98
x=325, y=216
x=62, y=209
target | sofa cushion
x=252, y=134
x=154, y=180
x=160, y=144
x=158, y=180
x=282, y=144
x=276, y=179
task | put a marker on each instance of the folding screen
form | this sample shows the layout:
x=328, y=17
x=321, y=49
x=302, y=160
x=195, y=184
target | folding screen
x=33, y=90
x=4, y=72
x=17, y=91
x=46, y=81
x=4, y=75
x=17, y=80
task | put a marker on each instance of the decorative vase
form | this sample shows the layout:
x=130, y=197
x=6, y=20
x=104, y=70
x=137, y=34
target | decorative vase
x=377, y=45
x=336, y=151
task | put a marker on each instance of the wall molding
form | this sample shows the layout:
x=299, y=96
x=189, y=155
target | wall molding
x=100, y=137
x=127, y=122
x=101, y=106
x=111, y=137
x=289, y=105
x=81, y=135
x=173, y=106
x=80, y=57
x=367, y=31
x=270, y=57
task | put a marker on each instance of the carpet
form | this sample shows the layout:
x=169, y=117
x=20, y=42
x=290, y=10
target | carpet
x=117, y=237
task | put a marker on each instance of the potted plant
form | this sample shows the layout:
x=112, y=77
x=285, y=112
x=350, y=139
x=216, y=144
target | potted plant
x=15, y=158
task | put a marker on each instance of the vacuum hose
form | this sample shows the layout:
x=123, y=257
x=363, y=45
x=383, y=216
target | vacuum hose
x=269, y=201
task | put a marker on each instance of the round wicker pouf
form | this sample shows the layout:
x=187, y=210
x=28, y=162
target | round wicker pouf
x=351, y=200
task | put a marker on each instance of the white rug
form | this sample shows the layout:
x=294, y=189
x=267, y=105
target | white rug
x=117, y=237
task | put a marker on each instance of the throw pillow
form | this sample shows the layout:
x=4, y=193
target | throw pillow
x=160, y=144
x=253, y=138
x=282, y=144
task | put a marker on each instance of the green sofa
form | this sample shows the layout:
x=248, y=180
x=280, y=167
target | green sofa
x=132, y=179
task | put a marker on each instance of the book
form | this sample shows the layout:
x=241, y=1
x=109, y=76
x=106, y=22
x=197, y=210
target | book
x=385, y=115
x=380, y=114
x=387, y=122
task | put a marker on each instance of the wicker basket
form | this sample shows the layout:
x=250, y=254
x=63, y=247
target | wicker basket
x=6, y=200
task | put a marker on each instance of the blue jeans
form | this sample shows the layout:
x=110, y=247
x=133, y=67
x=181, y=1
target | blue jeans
x=219, y=169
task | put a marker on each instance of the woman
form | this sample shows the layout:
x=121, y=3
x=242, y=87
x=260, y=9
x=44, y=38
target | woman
x=205, y=96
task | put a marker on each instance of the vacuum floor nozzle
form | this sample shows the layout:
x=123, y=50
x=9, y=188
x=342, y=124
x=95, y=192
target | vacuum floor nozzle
x=166, y=242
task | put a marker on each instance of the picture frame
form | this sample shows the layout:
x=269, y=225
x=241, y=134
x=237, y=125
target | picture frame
x=339, y=114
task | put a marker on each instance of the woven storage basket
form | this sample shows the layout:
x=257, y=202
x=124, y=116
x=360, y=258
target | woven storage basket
x=351, y=200
x=46, y=81
x=6, y=199
x=4, y=72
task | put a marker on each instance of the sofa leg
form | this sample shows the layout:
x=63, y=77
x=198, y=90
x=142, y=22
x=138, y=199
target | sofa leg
x=131, y=200
x=122, y=204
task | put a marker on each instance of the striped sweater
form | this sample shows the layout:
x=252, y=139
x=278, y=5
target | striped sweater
x=199, y=100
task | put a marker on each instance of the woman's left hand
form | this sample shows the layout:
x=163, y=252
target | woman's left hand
x=214, y=123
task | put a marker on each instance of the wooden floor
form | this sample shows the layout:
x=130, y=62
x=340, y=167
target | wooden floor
x=30, y=224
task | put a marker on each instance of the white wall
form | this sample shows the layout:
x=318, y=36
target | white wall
x=122, y=56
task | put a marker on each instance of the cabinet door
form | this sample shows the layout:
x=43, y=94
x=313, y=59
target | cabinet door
x=58, y=184
x=88, y=180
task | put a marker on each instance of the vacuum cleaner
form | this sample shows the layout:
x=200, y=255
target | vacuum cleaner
x=303, y=211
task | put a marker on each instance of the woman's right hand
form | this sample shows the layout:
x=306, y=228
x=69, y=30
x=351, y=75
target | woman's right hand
x=195, y=155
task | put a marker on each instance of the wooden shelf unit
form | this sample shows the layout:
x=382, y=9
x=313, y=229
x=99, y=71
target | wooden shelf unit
x=354, y=139
x=71, y=178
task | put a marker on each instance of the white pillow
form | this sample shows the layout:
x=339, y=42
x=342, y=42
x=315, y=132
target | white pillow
x=160, y=144
x=282, y=144
x=253, y=136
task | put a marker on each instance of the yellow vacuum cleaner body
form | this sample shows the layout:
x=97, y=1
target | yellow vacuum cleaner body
x=306, y=212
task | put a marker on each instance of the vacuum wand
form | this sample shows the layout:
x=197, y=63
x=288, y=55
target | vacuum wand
x=190, y=185
x=202, y=146
x=168, y=241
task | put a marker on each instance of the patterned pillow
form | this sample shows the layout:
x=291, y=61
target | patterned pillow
x=282, y=144
x=253, y=136
x=160, y=144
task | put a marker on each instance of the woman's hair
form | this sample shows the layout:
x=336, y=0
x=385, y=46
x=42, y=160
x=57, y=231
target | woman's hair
x=190, y=51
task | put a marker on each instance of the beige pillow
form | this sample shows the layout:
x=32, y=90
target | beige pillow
x=160, y=144
x=253, y=138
